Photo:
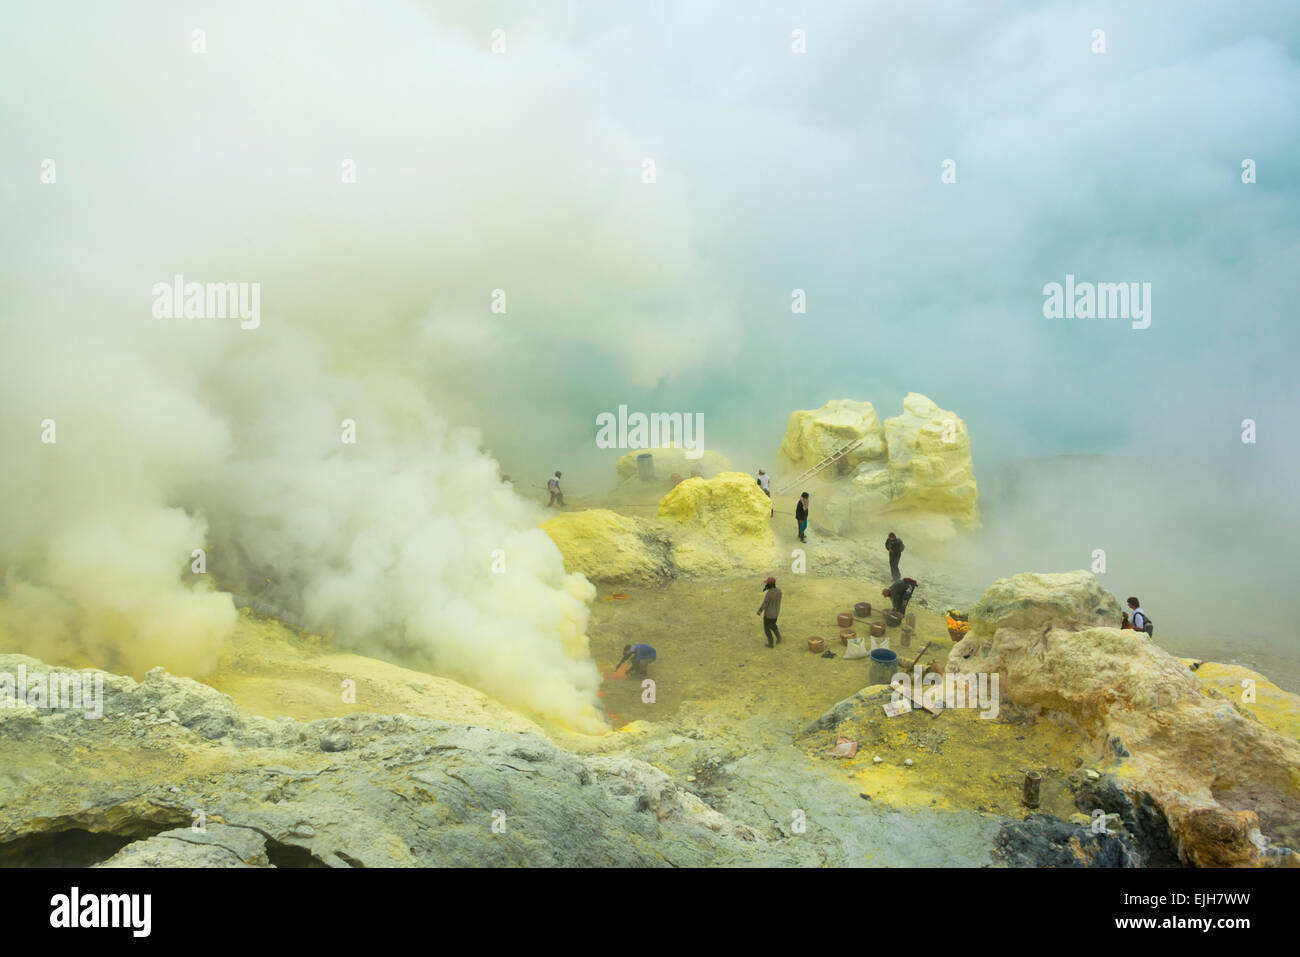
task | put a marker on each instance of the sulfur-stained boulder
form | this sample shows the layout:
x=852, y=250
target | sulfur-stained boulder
x=930, y=462
x=611, y=548
x=1228, y=784
x=670, y=461
x=914, y=473
x=730, y=507
x=1033, y=601
x=1278, y=709
x=719, y=526
x=813, y=434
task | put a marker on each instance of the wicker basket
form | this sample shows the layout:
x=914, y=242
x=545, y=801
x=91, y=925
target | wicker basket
x=862, y=609
x=877, y=630
x=846, y=634
x=816, y=644
x=893, y=618
x=844, y=620
x=956, y=634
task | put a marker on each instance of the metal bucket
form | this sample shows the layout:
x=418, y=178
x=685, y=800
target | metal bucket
x=884, y=664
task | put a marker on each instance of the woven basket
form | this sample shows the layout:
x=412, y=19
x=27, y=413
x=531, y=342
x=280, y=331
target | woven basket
x=846, y=634
x=816, y=645
x=844, y=620
x=862, y=609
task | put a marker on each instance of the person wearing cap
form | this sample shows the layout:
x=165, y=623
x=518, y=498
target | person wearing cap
x=770, y=609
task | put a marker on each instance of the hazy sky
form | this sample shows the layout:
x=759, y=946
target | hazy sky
x=775, y=170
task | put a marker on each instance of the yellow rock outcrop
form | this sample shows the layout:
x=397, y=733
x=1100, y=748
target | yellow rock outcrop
x=730, y=507
x=1253, y=692
x=1228, y=783
x=913, y=472
x=813, y=434
x=608, y=547
x=930, y=465
x=719, y=526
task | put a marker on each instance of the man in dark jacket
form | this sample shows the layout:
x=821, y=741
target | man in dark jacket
x=770, y=609
x=801, y=516
x=894, y=546
x=900, y=593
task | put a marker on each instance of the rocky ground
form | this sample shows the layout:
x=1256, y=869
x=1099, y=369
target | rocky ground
x=1145, y=759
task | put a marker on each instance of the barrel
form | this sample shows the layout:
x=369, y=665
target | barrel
x=645, y=466
x=862, y=609
x=884, y=664
x=1033, y=780
x=877, y=629
x=845, y=620
x=816, y=644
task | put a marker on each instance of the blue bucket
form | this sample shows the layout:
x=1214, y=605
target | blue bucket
x=884, y=663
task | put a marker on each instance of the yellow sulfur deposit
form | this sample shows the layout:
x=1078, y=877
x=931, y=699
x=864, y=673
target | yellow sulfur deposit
x=813, y=434
x=730, y=506
x=609, y=547
x=930, y=465
x=1252, y=692
x=272, y=670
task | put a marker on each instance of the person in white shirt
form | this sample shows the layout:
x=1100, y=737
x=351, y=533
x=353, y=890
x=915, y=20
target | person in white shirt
x=1138, y=621
x=765, y=483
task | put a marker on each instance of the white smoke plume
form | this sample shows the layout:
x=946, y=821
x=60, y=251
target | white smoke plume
x=135, y=158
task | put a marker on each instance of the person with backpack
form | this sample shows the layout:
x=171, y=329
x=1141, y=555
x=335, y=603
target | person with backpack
x=894, y=546
x=801, y=516
x=1139, y=621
